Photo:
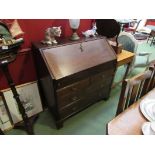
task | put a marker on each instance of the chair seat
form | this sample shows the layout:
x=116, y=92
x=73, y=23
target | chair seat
x=141, y=36
x=141, y=61
x=129, y=43
x=129, y=29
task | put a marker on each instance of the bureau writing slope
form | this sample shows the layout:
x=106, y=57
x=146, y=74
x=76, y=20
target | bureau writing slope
x=74, y=75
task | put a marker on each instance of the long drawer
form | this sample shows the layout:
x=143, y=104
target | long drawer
x=73, y=88
x=83, y=88
x=80, y=104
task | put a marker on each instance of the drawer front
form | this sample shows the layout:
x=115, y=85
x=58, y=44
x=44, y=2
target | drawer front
x=103, y=75
x=80, y=90
x=68, y=99
x=99, y=85
x=73, y=88
x=78, y=105
x=70, y=109
x=72, y=92
x=97, y=73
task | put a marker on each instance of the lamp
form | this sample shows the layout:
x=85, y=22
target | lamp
x=74, y=24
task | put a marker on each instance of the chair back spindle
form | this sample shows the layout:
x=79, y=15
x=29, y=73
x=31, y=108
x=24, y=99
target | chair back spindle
x=152, y=68
x=133, y=89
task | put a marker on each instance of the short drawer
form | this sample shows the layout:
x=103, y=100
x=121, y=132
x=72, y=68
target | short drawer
x=72, y=93
x=99, y=85
x=67, y=82
x=73, y=88
x=71, y=109
x=68, y=99
x=97, y=94
x=80, y=104
x=103, y=75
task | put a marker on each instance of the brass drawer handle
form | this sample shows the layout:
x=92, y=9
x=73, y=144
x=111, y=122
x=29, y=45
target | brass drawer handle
x=100, y=94
x=102, y=85
x=74, y=108
x=74, y=98
x=103, y=76
x=74, y=89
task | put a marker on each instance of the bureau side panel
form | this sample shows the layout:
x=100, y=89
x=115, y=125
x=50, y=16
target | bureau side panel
x=45, y=81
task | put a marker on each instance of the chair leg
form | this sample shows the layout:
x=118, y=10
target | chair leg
x=152, y=41
x=148, y=38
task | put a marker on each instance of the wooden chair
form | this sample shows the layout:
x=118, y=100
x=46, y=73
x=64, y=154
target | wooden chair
x=133, y=26
x=129, y=43
x=133, y=89
x=151, y=37
x=152, y=68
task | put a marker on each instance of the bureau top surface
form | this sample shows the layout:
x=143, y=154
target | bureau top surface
x=66, y=60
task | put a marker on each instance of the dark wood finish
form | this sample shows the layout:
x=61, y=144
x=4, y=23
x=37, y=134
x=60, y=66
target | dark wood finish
x=131, y=120
x=27, y=125
x=74, y=75
x=133, y=89
x=109, y=28
x=8, y=56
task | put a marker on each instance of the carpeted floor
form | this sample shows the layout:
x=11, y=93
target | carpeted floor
x=91, y=121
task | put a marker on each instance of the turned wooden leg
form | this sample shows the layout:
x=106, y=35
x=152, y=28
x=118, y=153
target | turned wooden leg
x=59, y=124
x=27, y=124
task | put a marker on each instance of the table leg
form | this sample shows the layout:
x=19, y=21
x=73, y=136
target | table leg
x=127, y=71
x=121, y=25
x=125, y=75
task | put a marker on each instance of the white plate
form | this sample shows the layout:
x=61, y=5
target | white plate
x=146, y=129
x=147, y=109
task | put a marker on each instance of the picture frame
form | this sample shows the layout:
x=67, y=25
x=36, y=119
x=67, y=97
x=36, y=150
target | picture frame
x=6, y=122
x=30, y=98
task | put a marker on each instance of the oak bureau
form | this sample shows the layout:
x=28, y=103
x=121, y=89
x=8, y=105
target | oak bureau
x=74, y=75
